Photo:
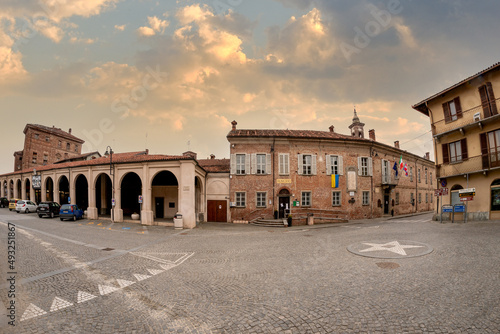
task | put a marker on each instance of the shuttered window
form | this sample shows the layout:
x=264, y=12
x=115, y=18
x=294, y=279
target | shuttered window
x=488, y=100
x=284, y=164
x=455, y=152
x=452, y=110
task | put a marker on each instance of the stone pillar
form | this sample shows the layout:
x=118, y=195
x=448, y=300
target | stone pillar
x=14, y=188
x=32, y=192
x=118, y=212
x=56, y=190
x=23, y=190
x=72, y=190
x=2, y=191
x=43, y=190
x=187, y=192
x=147, y=216
x=92, y=209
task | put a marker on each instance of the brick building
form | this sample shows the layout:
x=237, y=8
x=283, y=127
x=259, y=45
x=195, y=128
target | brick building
x=290, y=172
x=45, y=145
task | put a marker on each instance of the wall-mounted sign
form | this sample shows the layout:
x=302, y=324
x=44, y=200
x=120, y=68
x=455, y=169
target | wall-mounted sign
x=36, y=181
x=140, y=199
x=283, y=181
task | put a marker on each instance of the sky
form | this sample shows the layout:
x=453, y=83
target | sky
x=170, y=76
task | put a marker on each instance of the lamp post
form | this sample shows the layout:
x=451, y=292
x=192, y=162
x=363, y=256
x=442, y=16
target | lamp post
x=109, y=151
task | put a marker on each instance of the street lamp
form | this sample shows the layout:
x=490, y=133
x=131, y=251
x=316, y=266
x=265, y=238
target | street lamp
x=109, y=151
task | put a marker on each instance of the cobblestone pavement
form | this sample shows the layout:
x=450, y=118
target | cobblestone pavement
x=98, y=277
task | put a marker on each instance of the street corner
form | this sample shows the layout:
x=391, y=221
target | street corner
x=390, y=249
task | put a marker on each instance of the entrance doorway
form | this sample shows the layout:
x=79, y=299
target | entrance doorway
x=217, y=211
x=283, y=203
x=160, y=207
x=386, y=202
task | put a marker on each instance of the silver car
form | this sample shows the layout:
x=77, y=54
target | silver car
x=25, y=206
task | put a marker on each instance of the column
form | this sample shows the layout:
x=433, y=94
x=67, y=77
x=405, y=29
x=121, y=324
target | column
x=147, y=216
x=118, y=212
x=92, y=209
x=57, y=199
x=72, y=190
x=2, y=191
x=187, y=194
x=23, y=189
x=44, y=190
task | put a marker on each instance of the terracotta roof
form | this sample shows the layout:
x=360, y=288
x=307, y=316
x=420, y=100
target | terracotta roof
x=215, y=165
x=54, y=131
x=421, y=105
x=118, y=158
x=288, y=134
x=80, y=156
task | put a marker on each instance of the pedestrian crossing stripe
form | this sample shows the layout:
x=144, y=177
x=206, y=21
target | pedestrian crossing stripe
x=141, y=277
x=84, y=297
x=106, y=289
x=32, y=311
x=59, y=304
x=124, y=283
x=155, y=271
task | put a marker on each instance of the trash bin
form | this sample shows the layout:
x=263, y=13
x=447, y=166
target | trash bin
x=310, y=219
x=178, y=225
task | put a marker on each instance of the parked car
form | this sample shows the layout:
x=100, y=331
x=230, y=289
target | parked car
x=4, y=202
x=12, y=203
x=25, y=206
x=70, y=211
x=50, y=209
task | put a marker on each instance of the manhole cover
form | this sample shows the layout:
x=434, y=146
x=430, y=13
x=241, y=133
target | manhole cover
x=387, y=265
x=390, y=249
x=108, y=249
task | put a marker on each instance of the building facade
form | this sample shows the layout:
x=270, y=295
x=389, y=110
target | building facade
x=46, y=145
x=325, y=174
x=465, y=125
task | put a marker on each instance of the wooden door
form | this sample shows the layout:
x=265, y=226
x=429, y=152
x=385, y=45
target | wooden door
x=217, y=211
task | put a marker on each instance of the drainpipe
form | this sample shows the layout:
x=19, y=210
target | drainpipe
x=273, y=159
x=371, y=187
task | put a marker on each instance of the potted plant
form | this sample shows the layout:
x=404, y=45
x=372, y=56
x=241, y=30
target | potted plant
x=289, y=219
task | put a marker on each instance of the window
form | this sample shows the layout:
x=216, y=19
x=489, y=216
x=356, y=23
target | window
x=68, y=146
x=35, y=155
x=386, y=172
x=412, y=198
x=364, y=166
x=76, y=148
x=45, y=159
x=366, y=197
x=411, y=174
x=47, y=139
x=306, y=198
x=306, y=164
x=430, y=178
x=59, y=144
x=495, y=195
x=418, y=176
x=494, y=148
x=426, y=198
x=333, y=165
x=397, y=198
x=336, y=198
x=240, y=164
x=420, y=198
x=488, y=100
x=261, y=164
x=36, y=135
x=261, y=199
x=452, y=110
x=284, y=163
x=425, y=175
x=241, y=199
x=432, y=198
x=455, y=152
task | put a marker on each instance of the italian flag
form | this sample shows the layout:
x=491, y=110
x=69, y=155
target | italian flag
x=401, y=165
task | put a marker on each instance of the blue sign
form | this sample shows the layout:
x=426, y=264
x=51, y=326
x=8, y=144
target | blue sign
x=459, y=208
x=447, y=209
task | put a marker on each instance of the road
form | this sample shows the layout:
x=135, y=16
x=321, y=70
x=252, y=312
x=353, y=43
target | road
x=406, y=275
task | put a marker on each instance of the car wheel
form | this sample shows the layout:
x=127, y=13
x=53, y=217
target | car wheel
x=74, y=218
x=52, y=215
x=27, y=210
x=40, y=216
x=61, y=219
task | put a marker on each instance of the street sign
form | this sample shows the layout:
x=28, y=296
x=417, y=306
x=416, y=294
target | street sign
x=140, y=199
x=113, y=203
x=465, y=199
x=447, y=209
x=469, y=192
x=459, y=208
x=296, y=203
x=441, y=192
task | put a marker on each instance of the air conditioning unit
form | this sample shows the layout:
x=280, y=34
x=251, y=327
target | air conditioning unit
x=477, y=117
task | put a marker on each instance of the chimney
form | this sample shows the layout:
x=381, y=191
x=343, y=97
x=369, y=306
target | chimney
x=332, y=128
x=69, y=131
x=396, y=144
x=147, y=151
x=371, y=133
x=427, y=156
x=233, y=123
x=212, y=156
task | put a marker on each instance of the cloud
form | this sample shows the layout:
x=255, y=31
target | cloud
x=120, y=27
x=155, y=26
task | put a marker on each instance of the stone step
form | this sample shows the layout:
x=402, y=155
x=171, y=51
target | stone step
x=269, y=223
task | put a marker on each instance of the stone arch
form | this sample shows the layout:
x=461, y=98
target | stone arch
x=81, y=191
x=63, y=186
x=27, y=189
x=495, y=195
x=103, y=194
x=49, y=189
x=130, y=189
x=164, y=194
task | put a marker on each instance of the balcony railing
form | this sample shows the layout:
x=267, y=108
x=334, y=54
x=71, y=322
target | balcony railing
x=477, y=164
x=442, y=127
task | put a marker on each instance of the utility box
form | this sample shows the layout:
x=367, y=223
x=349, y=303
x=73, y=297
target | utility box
x=178, y=224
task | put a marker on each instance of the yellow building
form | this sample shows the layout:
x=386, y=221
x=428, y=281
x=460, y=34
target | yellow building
x=466, y=130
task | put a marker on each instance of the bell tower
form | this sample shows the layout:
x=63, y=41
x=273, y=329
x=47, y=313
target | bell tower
x=357, y=128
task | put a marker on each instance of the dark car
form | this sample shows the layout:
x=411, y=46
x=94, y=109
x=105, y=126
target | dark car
x=4, y=202
x=50, y=209
x=70, y=211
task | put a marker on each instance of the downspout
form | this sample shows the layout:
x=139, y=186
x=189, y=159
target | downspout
x=371, y=187
x=274, y=177
x=434, y=140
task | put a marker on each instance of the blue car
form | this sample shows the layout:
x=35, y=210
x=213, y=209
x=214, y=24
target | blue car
x=70, y=211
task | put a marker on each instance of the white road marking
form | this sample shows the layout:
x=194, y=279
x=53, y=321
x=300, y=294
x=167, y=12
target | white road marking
x=155, y=271
x=32, y=311
x=141, y=277
x=59, y=304
x=124, y=283
x=105, y=289
x=84, y=297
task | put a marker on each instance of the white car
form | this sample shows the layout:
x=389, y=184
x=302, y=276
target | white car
x=25, y=206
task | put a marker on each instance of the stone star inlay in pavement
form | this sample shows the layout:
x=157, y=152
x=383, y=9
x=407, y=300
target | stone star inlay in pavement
x=393, y=246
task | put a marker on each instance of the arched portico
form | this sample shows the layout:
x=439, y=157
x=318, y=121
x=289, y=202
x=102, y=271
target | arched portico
x=18, y=191
x=164, y=195
x=63, y=187
x=127, y=196
x=27, y=189
x=103, y=195
x=48, y=189
x=81, y=192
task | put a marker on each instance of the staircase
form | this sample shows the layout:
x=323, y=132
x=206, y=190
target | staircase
x=268, y=222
